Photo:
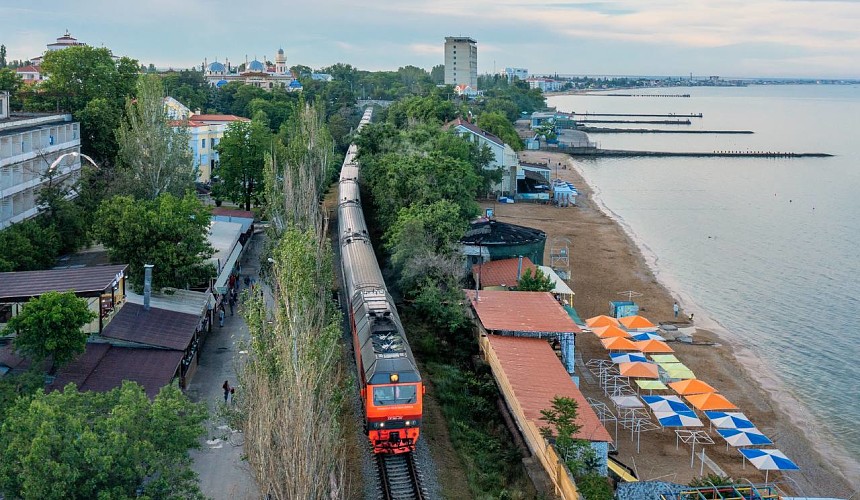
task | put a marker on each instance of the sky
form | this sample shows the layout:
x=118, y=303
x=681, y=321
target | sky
x=740, y=38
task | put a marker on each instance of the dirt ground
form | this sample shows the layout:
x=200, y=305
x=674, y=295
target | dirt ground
x=603, y=262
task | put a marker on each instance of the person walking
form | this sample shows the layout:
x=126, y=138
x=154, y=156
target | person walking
x=232, y=301
x=227, y=389
x=221, y=315
x=676, y=309
x=232, y=394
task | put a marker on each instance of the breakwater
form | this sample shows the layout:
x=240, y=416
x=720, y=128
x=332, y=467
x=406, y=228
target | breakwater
x=610, y=130
x=644, y=115
x=643, y=122
x=641, y=95
x=597, y=152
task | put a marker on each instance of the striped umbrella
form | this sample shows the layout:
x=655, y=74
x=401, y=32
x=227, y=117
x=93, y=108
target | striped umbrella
x=768, y=460
x=626, y=357
x=743, y=437
x=678, y=419
x=647, y=336
x=724, y=420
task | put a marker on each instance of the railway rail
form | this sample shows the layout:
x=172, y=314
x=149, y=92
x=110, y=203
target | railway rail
x=400, y=477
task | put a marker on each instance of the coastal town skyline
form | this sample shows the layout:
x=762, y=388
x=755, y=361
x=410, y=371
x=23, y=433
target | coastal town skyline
x=767, y=38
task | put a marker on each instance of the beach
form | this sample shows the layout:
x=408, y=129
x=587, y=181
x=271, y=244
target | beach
x=604, y=261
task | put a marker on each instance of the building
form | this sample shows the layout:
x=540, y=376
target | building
x=461, y=61
x=520, y=73
x=256, y=73
x=29, y=145
x=488, y=239
x=545, y=84
x=63, y=42
x=206, y=132
x=504, y=157
x=30, y=74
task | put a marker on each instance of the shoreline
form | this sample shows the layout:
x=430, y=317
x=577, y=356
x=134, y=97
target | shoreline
x=762, y=396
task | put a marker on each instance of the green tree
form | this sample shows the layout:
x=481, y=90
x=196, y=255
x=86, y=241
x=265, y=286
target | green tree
x=28, y=246
x=437, y=74
x=155, y=155
x=10, y=80
x=561, y=431
x=2, y=56
x=242, y=151
x=49, y=326
x=59, y=214
x=118, y=444
x=169, y=232
x=535, y=282
x=498, y=124
x=83, y=74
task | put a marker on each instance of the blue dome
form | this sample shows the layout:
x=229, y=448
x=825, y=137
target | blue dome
x=221, y=83
x=256, y=65
x=217, y=67
x=295, y=84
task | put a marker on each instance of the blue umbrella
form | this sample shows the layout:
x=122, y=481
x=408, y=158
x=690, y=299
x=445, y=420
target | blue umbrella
x=620, y=357
x=666, y=404
x=744, y=437
x=678, y=419
x=647, y=336
x=733, y=420
x=768, y=460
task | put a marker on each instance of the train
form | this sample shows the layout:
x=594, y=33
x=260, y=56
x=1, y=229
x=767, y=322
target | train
x=392, y=391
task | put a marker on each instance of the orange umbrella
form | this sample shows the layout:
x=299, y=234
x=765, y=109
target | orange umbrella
x=602, y=320
x=606, y=332
x=636, y=322
x=710, y=401
x=638, y=369
x=618, y=344
x=691, y=386
x=653, y=346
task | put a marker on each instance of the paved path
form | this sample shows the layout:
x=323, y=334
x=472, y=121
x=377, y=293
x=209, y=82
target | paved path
x=223, y=472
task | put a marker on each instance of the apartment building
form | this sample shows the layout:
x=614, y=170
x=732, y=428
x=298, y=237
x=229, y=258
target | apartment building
x=461, y=61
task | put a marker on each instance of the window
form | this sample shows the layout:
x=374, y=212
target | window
x=395, y=394
x=203, y=143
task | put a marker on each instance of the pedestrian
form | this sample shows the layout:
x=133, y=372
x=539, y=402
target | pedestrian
x=235, y=295
x=247, y=281
x=232, y=394
x=232, y=301
x=221, y=315
x=226, y=388
x=676, y=309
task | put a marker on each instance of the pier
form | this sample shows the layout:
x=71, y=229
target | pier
x=609, y=130
x=643, y=95
x=597, y=152
x=643, y=122
x=644, y=115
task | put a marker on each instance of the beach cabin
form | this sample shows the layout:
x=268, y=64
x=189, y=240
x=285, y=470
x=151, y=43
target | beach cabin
x=563, y=193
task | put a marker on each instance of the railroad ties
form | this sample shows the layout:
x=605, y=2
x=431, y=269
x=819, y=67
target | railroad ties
x=400, y=477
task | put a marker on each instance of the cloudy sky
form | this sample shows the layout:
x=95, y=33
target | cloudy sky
x=768, y=38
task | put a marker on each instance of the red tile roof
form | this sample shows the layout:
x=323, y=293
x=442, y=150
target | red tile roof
x=103, y=367
x=84, y=281
x=536, y=376
x=501, y=272
x=521, y=312
x=156, y=327
x=29, y=69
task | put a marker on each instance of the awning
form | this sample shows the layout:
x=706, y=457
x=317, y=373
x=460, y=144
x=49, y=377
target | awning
x=226, y=269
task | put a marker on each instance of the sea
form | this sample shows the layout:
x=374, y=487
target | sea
x=764, y=250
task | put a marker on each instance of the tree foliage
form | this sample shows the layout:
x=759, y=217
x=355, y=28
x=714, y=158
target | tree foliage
x=499, y=125
x=28, y=246
x=155, y=155
x=535, y=282
x=560, y=431
x=49, y=326
x=119, y=444
x=169, y=232
x=242, y=152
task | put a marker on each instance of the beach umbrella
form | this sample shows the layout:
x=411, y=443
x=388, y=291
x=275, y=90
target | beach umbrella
x=743, y=437
x=653, y=346
x=636, y=322
x=723, y=420
x=710, y=401
x=625, y=357
x=678, y=419
x=664, y=358
x=677, y=371
x=618, y=344
x=768, y=460
x=638, y=369
x=651, y=385
x=602, y=320
x=606, y=332
x=691, y=386
x=648, y=336
x=666, y=403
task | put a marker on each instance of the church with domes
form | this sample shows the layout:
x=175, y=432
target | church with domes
x=254, y=72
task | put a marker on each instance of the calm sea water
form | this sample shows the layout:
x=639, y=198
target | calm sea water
x=768, y=248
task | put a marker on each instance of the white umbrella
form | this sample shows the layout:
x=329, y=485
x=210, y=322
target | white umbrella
x=743, y=437
x=768, y=460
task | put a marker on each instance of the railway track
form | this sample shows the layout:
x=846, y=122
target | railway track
x=400, y=477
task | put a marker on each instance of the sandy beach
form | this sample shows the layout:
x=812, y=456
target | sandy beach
x=604, y=261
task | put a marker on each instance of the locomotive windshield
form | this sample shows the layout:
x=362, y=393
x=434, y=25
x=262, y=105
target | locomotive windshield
x=394, y=394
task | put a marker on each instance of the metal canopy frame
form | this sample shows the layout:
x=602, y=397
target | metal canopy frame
x=693, y=437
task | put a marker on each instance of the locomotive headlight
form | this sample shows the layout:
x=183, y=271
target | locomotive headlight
x=381, y=425
x=394, y=378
